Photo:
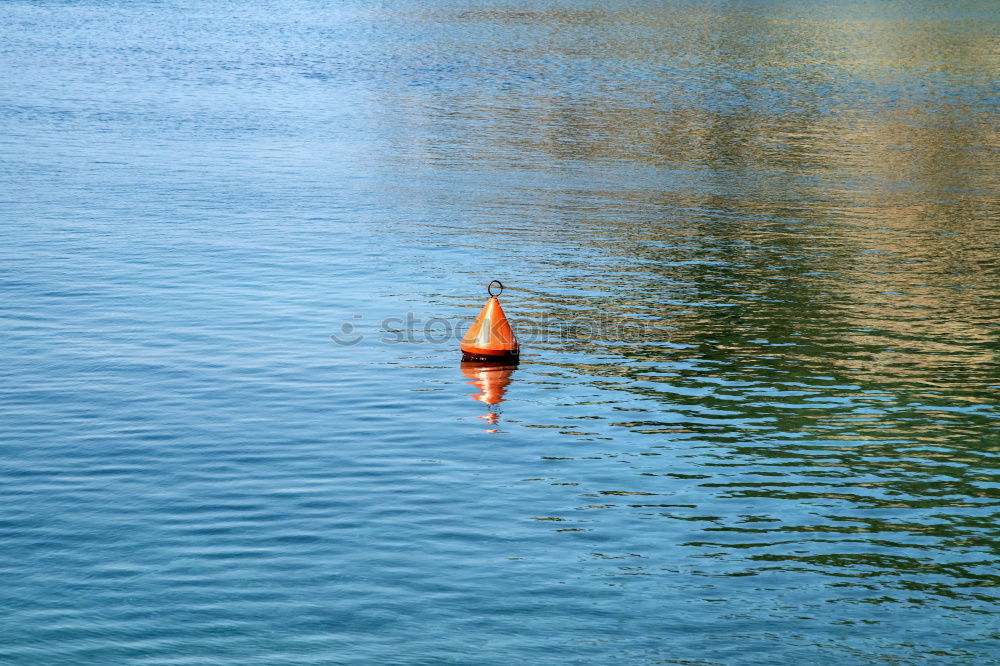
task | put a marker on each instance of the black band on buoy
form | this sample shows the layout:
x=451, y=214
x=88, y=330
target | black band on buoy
x=489, y=288
x=506, y=358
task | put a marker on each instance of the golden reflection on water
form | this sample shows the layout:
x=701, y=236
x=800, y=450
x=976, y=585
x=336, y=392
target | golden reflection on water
x=777, y=236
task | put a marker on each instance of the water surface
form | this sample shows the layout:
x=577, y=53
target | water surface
x=751, y=249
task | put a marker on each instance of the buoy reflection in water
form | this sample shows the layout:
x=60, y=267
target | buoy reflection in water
x=491, y=379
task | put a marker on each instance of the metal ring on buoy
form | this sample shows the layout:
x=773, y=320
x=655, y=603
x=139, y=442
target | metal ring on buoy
x=489, y=288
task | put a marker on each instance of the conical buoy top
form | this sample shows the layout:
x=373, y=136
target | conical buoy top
x=490, y=338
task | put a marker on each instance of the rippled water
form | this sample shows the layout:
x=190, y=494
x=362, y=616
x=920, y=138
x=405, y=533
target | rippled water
x=751, y=249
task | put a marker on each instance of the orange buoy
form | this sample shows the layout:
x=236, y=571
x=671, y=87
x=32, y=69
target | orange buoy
x=490, y=337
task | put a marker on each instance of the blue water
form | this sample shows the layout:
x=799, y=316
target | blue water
x=751, y=250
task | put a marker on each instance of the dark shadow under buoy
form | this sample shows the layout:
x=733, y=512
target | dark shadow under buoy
x=491, y=379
